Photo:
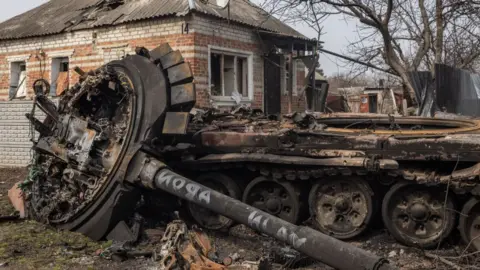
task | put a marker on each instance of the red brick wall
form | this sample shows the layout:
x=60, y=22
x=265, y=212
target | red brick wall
x=90, y=50
x=93, y=48
x=223, y=35
x=200, y=66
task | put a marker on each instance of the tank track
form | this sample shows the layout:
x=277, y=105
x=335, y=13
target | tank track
x=416, y=175
x=379, y=181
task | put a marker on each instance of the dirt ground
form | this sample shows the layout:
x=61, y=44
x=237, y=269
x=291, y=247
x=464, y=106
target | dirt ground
x=31, y=245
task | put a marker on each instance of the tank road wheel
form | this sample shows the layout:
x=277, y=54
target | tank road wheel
x=206, y=218
x=415, y=215
x=279, y=198
x=469, y=225
x=341, y=207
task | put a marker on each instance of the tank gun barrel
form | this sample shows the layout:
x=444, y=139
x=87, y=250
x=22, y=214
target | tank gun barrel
x=326, y=249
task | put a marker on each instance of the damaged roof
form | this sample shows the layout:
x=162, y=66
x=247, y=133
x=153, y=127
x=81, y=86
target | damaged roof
x=57, y=16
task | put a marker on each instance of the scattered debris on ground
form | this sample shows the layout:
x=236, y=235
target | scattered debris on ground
x=32, y=245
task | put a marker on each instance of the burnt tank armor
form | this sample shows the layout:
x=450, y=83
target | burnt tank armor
x=338, y=172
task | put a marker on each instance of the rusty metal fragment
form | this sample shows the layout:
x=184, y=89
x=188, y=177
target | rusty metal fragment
x=183, y=94
x=193, y=246
x=176, y=123
x=15, y=195
x=171, y=59
x=180, y=74
x=157, y=53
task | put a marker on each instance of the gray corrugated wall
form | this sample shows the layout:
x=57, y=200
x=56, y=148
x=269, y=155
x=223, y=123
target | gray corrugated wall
x=458, y=90
x=14, y=133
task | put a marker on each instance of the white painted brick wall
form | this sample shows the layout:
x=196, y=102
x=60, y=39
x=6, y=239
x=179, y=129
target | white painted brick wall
x=15, y=141
x=131, y=31
x=89, y=48
x=221, y=28
x=124, y=33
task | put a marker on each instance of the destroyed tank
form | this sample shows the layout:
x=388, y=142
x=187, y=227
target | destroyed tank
x=339, y=172
x=336, y=172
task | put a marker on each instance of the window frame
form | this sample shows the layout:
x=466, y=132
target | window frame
x=19, y=81
x=227, y=100
x=53, y=60
x=16, y=59
x=56, y=55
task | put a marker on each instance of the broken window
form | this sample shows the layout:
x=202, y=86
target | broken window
x=242, y=76
x=18, y=79
x=229, y=74
x=215, y=74
x=60, y=76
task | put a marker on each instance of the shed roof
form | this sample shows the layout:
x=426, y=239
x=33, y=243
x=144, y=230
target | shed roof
x=348, y=91
x=57, y=16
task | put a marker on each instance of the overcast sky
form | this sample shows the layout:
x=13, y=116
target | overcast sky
x=337, y=34
x=337, y=31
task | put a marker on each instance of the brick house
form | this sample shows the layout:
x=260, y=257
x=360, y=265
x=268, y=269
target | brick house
x=239, y=51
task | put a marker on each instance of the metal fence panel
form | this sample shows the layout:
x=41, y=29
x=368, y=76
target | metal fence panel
x=458, y=90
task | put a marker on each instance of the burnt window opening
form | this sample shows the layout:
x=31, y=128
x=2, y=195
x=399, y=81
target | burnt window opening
x=242, y=76
x=215, y=75
x=64, y=66
x=18, y=79
x=59, y=75
x=229, y=74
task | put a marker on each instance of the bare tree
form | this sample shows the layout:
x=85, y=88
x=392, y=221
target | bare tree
x=401, y=35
